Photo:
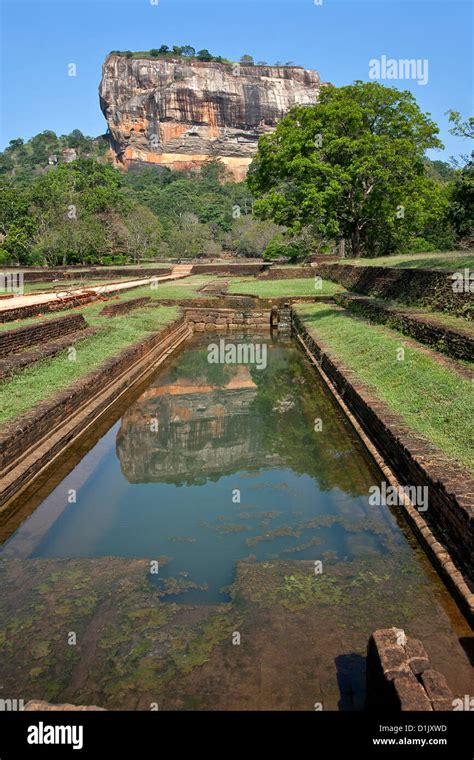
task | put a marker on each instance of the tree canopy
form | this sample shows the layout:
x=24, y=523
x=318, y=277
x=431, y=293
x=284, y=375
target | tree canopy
x=350, y=167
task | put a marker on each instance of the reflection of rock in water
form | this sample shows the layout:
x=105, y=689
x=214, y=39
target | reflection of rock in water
x=189, y=430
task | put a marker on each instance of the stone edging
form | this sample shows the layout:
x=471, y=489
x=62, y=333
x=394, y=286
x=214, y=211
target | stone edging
x=30, y=443
x=401, y=456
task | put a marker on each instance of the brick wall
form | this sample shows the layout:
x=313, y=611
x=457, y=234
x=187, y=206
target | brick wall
x=23, y=337
x=97, y=273
x=288, y=274
x=19, y=361
x=122, y=307
x=421, y=287
x=238, y=270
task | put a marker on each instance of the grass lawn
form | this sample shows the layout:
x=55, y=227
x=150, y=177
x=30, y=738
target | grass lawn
x=282, y=288
x=432, y=399
x=451, y=261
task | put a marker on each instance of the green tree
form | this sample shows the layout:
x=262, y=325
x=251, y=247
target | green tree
x=250, y=237
x=461, y=197
x=461, y=128
x=247, y=60
x=143, y=232
x=461, y=206
x=191, y=239
x=204, y=55
x=17, y=224
x=347, y=166
x=279, y=247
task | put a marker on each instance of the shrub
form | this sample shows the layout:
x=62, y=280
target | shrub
x=279, y=247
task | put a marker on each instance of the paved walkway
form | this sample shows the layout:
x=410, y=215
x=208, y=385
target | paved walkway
x=29, y=299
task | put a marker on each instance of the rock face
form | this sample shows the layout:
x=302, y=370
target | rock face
x=201, y=430
x=180, y=113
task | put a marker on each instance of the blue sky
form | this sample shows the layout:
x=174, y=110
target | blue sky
x=39, y=40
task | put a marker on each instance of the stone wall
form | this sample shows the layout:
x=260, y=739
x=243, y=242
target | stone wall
x=123, y=307
x=205, y=319
x=420, y=287
x=242, y=301
x=400, y=676
x=454, y=343
x=24, y=337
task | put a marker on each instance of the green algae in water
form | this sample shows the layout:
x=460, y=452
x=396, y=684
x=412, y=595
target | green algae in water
x=225, y=466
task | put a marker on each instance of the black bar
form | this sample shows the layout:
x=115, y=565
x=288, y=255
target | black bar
x=314, y=734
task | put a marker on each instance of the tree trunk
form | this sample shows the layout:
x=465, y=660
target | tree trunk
x=355, y=240
x=342, y=248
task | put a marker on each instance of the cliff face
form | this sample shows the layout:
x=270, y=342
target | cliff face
x=180, y=114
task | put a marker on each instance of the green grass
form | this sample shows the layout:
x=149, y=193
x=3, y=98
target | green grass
x=451, y=261
x=45, y=378
x=432, y=399
x=282, y=288
x=188, y=287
